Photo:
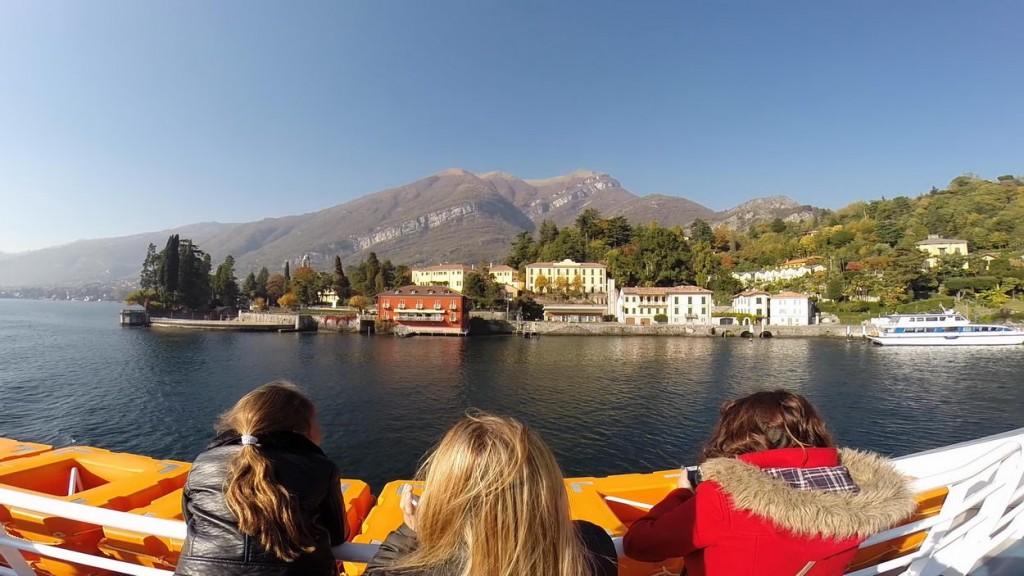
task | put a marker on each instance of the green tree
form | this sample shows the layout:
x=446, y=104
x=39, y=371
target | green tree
x=588, y=223
x=402, y=276
x=617, y=231
x=249, y=289
x=168, y=271
x=889, y=231
x=225, y=287
x=194, y=284
x=569, y=243
x=149, y=279
x=287, y=271
x=261, y=283
x=548, y=232
x=341, y=286
x=835, y=288
x=371, y=272
x=703, y=263
x=523, y=252
x=481, y=289
x=700, y=231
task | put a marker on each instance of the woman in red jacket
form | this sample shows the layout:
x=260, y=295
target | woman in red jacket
x=777, y=497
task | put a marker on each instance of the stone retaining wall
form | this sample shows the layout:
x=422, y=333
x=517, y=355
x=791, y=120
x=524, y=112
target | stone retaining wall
x=301, y=322
x=615, y=329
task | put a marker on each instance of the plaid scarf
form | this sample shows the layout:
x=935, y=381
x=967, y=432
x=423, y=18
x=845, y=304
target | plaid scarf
x=824, y=478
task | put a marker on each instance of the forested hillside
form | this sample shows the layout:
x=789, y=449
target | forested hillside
x=869, y=249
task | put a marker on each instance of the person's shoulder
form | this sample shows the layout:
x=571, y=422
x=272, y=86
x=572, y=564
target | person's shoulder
x=599, y=546
x=215, y=456
x=594, y=537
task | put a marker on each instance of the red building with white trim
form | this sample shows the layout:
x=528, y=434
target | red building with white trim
x=430, y=309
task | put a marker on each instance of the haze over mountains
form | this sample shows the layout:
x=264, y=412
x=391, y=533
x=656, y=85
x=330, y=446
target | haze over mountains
x=451, y=216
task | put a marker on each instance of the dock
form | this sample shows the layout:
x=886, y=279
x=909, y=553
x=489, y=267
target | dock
x=234, y=325
x=527, y=330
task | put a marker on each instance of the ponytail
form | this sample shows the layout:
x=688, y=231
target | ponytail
x=264, y=508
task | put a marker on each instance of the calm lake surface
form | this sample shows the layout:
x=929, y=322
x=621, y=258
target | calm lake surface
x=70, y=375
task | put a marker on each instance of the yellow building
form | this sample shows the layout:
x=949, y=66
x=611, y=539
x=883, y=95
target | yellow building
x=506, y=275
x=452, y=275
x=585, y=277
x=936, y=247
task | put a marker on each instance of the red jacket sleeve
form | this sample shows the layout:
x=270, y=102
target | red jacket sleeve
x=678, y=525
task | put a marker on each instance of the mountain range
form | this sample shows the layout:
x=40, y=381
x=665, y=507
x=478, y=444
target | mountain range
x=451, y=216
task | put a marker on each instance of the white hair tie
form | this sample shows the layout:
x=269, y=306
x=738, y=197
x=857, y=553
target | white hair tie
x=249, y=440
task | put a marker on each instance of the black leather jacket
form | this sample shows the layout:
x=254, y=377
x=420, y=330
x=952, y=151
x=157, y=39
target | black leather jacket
x=215, y=547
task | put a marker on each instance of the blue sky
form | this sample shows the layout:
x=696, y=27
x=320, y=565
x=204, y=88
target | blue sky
x=125, y=117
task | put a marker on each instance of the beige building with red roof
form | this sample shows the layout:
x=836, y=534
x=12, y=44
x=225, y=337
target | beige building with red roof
x=679, y=304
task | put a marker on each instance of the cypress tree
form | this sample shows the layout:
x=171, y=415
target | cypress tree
x=261, y=282
x=341, y=284
x=169, y=264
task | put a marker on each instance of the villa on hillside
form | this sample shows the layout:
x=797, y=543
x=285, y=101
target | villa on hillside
x=506, y=276
x=797, y=268
x=679, y=304
x=936, y=247
x=453, y=275
x=791, y=309
x=429, y=309
x=585, y=277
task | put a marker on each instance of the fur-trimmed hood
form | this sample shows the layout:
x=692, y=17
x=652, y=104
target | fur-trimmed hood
x=883, y=501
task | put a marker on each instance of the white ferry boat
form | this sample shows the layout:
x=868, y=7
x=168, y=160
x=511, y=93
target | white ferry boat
x=970, y=517
x=946, y=328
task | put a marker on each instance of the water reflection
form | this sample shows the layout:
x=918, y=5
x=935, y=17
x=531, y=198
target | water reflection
x=606, y=405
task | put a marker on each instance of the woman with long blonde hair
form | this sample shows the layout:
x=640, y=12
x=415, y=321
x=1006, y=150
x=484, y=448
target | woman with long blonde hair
x=493, y=504
x=263, y=499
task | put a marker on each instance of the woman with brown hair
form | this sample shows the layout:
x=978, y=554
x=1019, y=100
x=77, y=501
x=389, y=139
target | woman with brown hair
x=493, y=504
x=777, y=497
x=263, y=499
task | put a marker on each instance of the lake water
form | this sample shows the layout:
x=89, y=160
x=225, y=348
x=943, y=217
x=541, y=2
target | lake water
x=70, y=375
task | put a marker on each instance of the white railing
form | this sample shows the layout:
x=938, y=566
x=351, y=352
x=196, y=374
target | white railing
x=10, y=546
x=984, y=508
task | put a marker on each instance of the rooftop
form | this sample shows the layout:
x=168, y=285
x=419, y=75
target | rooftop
x=936, y=239
x=425, y=290
x=443, y=268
